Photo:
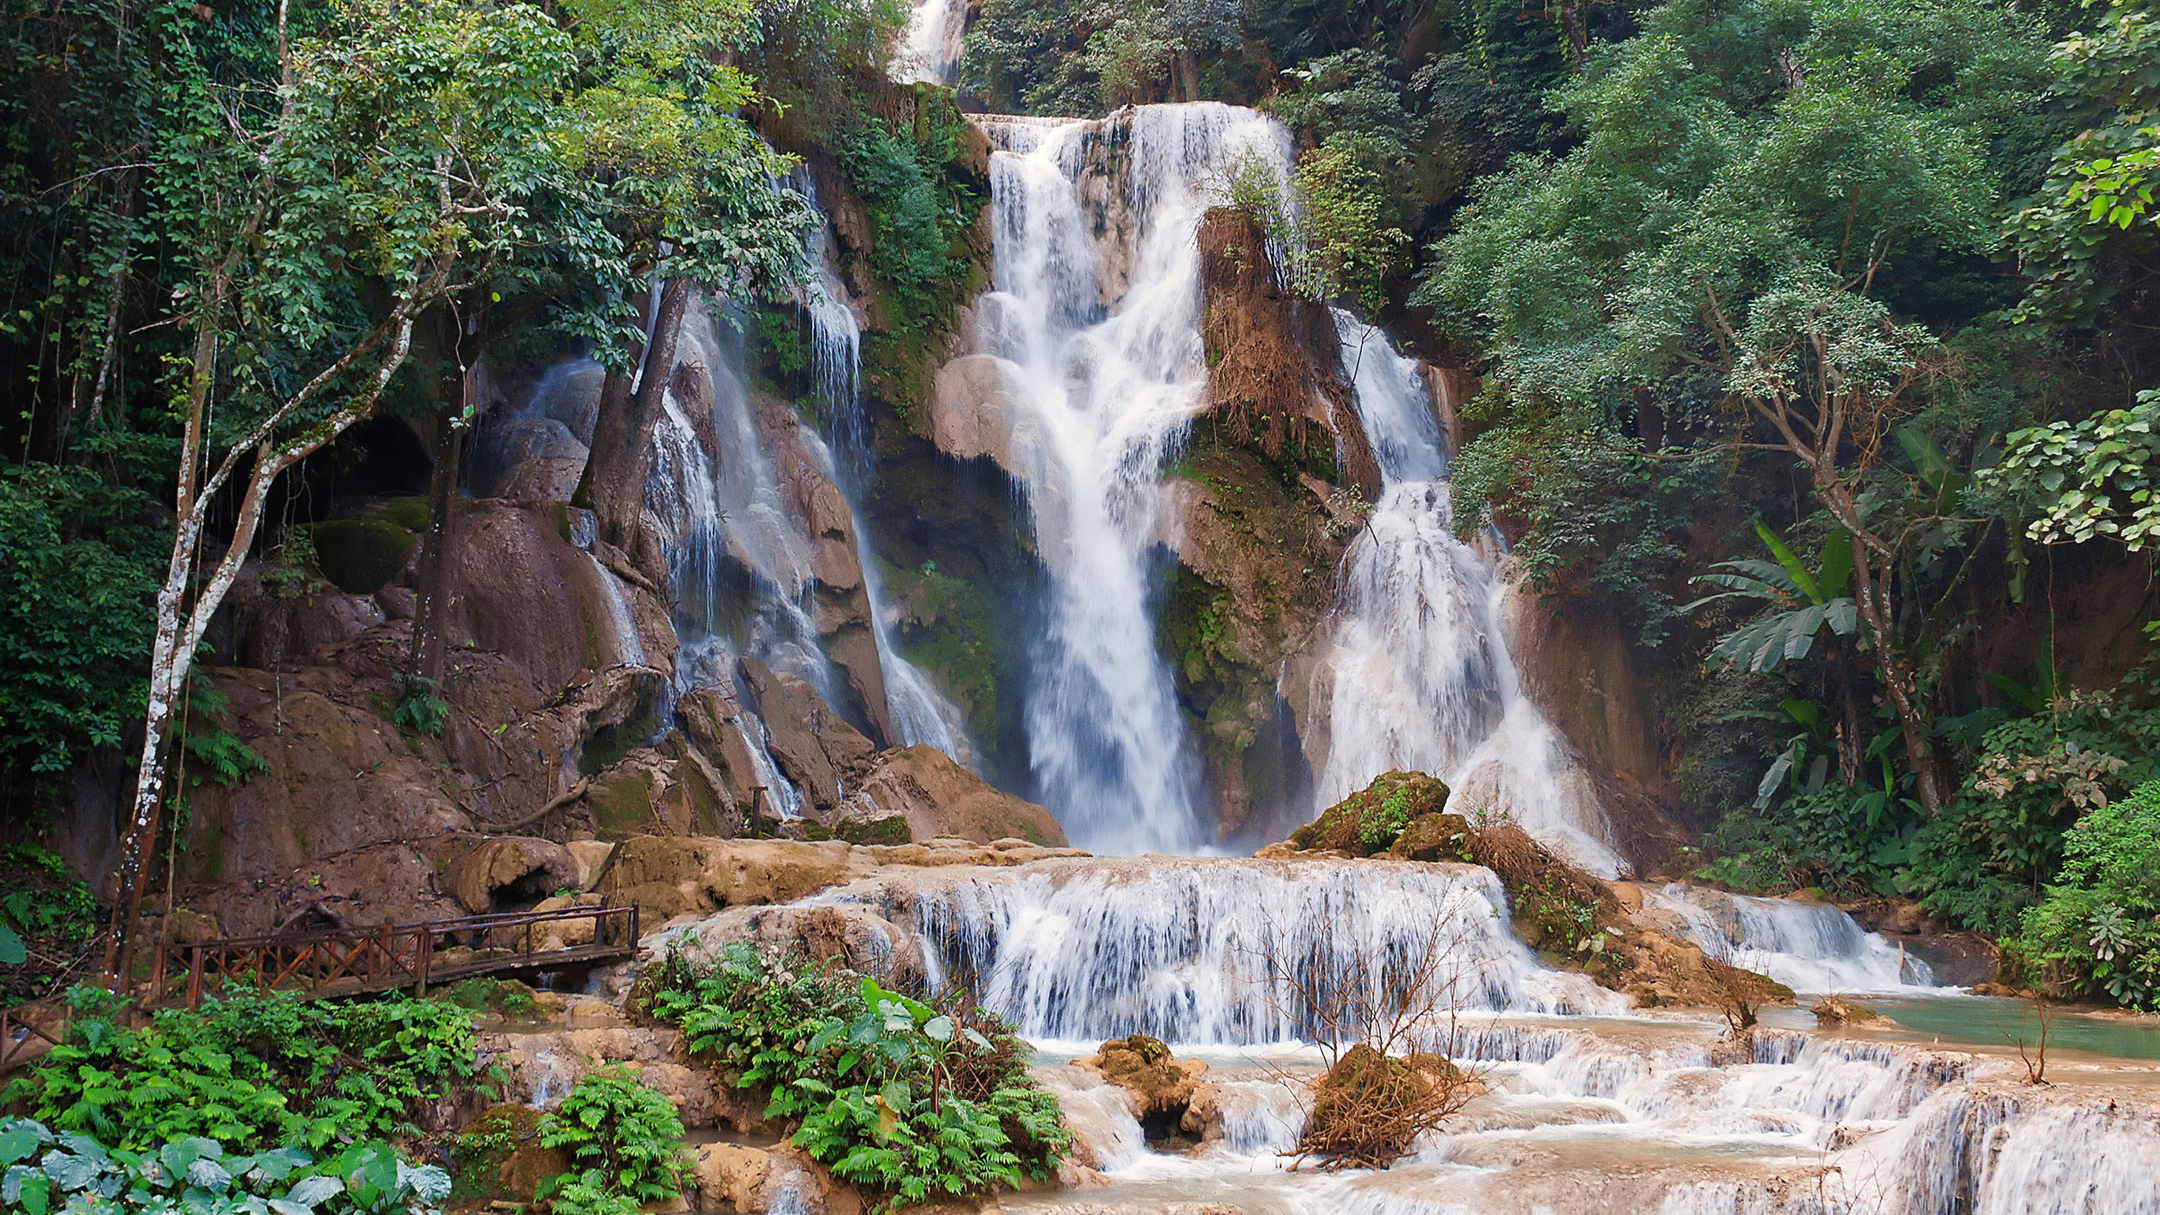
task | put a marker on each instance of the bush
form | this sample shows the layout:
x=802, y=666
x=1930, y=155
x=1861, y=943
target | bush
x=251, y=1071
x=48, y=1172
x=625, y=1144
x=2097, y=931
x=896, y=1095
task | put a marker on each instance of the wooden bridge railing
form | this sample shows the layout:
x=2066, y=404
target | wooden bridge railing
x=19, y=1037
x=349, y=961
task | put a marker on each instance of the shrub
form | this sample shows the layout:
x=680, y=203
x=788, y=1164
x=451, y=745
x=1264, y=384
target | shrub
x=895, y=1094
x=48, y=1172
x=2097, y=930
x=250, y=1071
x=625, y=1144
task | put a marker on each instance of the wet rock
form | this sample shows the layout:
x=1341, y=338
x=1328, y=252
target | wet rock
x=505, y=871
x=936, y=797
x=534, y=460
x=501, y=1157
x=732, y=1177
x=1371, y=820
x=1162, y=1086
x=971, y=411
x=1835, y=1010
x=814, y=746
x=361, y=556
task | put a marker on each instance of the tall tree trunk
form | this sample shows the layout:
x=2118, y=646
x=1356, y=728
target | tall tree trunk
x=614, y=478
x=1897, y=678
x=181, y=624
x=457, y=405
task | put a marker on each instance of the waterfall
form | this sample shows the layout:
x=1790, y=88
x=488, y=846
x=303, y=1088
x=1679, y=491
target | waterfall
x=1422, y=676
x=1100, y=365
x=1811, y=947
x=931, y=53
x=1181, y=948
x=920, y=714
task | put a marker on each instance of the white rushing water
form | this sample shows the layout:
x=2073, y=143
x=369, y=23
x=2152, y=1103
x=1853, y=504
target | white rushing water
x=919, y=712
x=1099, y=351
x=931, y=52
x=1422, y=676
x=1194, y=950
x=1809, y=947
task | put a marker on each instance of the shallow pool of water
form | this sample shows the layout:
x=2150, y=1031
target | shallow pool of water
x=1996, y=1023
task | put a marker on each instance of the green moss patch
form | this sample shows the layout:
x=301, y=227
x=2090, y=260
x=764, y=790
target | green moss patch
x=360, y=556
x=1372, y=819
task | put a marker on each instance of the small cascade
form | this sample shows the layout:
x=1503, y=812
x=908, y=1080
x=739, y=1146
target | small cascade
x=920, y=714
x=1095, y=352
x=931, y=53
x=625, y=646
x=1811, y=947
x=1422, y=676
x=1182, y=949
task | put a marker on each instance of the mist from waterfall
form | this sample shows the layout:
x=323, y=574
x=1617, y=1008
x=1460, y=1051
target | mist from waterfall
x=1102, y=369
x=1422, y=677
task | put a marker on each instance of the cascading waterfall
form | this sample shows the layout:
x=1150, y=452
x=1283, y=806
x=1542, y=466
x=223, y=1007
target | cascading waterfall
x=1182, y=948
x=1101, y=364
x=920, y=714
x=1422, y=676
x=931, y=53
x=1810, y=947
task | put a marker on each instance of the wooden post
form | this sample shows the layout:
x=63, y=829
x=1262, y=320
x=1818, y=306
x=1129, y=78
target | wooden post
x=425, y=948
x=194, y=985
x=633, y=928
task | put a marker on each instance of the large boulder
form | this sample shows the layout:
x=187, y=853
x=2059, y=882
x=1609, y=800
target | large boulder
x=938, y=798
x=972, y=415
x=533, y=460
x=669, y=876
x=504, y=872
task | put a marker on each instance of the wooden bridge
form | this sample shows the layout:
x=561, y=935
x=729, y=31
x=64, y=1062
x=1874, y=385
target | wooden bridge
x=353, y=961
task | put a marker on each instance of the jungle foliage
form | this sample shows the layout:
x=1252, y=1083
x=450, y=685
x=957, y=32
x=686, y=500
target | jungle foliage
x=906, y=1098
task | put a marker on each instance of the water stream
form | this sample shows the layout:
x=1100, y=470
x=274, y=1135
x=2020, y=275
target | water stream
x=1098, y=358
x=1422, y=678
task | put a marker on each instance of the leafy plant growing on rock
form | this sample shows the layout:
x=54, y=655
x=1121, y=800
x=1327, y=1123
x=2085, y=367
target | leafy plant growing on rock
x=250, y=1071
x=2097, y=932
x=902, y=1096
x=625, y=1141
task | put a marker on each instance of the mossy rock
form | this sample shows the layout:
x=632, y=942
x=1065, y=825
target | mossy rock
x=1372, y=819
x=408, y=513
x=360, y=556
x=500, y=1158
x=503, y=997
x=892, y=829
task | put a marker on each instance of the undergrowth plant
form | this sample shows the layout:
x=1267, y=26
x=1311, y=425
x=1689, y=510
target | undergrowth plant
x=905, y=1097
x=2097, y=931
x=250, y=1071
x=625, y=1144
x=46, y=1172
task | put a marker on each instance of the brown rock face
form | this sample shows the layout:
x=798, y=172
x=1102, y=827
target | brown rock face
x=939, y=798
x=971, y=413
x=1274, y=363
x=813, y=745
x=495, y=874
x=668, y=876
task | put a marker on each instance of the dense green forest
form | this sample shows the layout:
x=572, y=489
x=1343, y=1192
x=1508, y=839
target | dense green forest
x=1817, y=342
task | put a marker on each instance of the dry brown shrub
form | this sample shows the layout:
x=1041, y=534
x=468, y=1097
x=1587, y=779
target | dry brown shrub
x=1369, y=1109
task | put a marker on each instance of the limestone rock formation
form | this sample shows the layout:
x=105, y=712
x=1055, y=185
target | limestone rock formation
x=938, y=798
x=815, y=747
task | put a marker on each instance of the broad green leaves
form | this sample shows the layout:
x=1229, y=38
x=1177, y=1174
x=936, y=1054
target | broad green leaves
x=2088, y=479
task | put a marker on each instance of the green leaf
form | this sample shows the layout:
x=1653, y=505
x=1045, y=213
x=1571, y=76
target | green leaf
x=1790, y=560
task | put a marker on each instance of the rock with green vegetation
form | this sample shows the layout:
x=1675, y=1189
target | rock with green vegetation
x=1369, y=821
x=361, y=556
x=500, y=1158
x=932, y=797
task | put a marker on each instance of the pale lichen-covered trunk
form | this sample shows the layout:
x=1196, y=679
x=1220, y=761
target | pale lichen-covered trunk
x=180, y=623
